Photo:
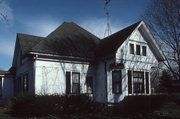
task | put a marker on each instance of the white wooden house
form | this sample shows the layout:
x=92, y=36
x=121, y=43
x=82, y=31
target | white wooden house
x=70, y=60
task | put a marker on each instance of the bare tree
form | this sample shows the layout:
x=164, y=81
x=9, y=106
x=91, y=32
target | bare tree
x=3, y=15
x=163, y=19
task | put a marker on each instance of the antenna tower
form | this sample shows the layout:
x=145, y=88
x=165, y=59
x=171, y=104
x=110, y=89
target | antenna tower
x=108, y=28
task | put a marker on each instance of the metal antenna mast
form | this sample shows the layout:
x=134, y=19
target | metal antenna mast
x=108, y=28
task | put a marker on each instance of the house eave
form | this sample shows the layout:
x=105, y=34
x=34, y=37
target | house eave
x=60, y=57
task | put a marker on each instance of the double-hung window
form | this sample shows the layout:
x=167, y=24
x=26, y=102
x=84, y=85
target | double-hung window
x=75, y=83
x=138, y=82
x=116, y=82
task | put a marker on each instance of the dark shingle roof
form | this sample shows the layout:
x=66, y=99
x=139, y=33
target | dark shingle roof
x=69, y=40
x=27, y=42
x=111, y=43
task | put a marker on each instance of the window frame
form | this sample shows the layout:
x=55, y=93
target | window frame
x=77, y=84
x=117, y=82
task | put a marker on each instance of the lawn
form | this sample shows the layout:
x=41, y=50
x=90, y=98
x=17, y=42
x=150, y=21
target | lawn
x=169, y=111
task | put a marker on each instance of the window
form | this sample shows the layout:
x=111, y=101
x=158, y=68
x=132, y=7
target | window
x=138, y=49
x=138, y=82
x=25, y=83
x=116, y=82
x=0, y=87
x=131, y=48
x=75, y=83
x=144, y=50
x=89, y=84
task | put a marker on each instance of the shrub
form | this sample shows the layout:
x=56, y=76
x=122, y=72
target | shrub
x=23, y=104
x=140, y=104
x=27, y=105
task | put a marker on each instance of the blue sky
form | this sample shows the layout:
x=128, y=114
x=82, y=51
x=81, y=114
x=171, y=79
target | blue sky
x=40, y=17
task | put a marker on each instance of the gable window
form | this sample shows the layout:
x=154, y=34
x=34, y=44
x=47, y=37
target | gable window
x=144, y=50
x=89, y=84
x=75, y=83
x=131, y=48
x=138, y=49
x=138, y=82
x=116, y=82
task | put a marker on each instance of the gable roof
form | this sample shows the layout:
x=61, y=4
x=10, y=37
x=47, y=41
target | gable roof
x=69, y=40
x=26, y=42
x=111, y=43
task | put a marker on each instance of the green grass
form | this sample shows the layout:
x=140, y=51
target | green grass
x=171, y=110
x=3, y=115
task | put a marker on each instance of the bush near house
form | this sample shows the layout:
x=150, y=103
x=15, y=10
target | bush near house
x=29, y=105
x=140, y=104
x=43, y=105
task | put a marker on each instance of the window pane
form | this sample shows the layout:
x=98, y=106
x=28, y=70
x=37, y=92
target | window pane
x=131, y=48
x=144, y=50
x=116, y=75
x=138, y=49
x=117, y=88
x=75, y=77
x=76, y=88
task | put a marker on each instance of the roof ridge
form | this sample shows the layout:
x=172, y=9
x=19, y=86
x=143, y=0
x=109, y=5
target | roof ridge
x=29, y=35
x=135, y=24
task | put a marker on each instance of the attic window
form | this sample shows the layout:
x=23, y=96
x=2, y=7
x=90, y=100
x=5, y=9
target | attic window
x=138, y=49
x=131, y=48
x=144, y=50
